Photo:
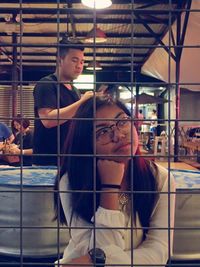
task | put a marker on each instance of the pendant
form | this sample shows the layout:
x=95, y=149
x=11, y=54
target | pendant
x=123, y=199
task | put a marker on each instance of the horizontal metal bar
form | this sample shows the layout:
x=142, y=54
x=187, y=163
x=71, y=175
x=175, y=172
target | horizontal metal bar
x=91, y=20
x=164, y=2
x=31, y=54
x=98, y=45
x=128, y=11
x=39, y=60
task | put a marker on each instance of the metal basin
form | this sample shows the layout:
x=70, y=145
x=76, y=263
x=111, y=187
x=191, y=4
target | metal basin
x=26, y=213
x=187, y=216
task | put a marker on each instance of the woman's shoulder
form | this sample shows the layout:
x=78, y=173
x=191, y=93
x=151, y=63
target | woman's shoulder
x=64, y=182
x=165, y=178
x=29, y=132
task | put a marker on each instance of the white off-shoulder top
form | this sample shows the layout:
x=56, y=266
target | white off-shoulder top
x=116, y=233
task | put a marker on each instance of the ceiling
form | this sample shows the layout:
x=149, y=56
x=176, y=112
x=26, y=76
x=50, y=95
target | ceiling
x=133, y=28
x=158, y=64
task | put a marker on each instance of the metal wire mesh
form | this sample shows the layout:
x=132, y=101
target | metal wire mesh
x=138, y=32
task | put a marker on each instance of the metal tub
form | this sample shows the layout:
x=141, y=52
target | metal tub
x=26, y=225
x=26, y=213
x=187, y=216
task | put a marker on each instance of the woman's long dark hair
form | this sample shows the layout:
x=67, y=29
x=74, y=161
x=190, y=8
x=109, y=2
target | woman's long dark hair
x=22, y=121
x=81, y=174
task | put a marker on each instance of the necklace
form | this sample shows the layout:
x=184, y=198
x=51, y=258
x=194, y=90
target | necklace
x=123, y=199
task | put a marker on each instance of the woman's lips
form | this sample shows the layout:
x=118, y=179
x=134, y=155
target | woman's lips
x=123, y=147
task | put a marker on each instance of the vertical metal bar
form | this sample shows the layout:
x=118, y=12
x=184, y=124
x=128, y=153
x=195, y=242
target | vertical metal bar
x=20, y=76
x=94, y=116
x=179, y=42
x=177, y=88
x=14, y=75
x=137, y=87
x=171, y=40
x=58, y=85
x=132, y=162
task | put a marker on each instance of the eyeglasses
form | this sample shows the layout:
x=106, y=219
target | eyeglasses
x=105, y=135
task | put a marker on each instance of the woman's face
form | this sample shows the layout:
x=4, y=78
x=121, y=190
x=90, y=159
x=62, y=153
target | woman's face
x=17, y=126
x=120, y=139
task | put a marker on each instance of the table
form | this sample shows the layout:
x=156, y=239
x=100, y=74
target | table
x=177, y=165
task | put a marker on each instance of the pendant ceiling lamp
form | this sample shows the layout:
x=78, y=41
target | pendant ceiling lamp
x=97, y=4
x=94, y=65
x=96, y=35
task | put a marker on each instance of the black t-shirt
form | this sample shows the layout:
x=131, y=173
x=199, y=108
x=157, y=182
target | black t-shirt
x=46, y=94
x=27, y=143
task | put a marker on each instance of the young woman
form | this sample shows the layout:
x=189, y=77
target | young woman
x=111, y=198
x=23, y=139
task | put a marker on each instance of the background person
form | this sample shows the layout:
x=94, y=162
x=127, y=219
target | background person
x=153, y=129
x=23, y=140
x=6, y=139
x=140, y=119
x=154, y=122
x=5, y=134
x=55, y=97
x=14, y=130
x=131, y=227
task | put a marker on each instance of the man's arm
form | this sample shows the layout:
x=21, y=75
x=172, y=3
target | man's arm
x=17, y=151
x=49, y=117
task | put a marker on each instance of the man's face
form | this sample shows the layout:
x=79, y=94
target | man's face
x=71, y=66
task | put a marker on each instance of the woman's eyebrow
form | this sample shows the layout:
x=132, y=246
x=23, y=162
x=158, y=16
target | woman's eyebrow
x=119, y=114
x=102, y=125
x=105, y=124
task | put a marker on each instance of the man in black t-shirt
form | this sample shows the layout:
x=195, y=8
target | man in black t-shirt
x=55, y=102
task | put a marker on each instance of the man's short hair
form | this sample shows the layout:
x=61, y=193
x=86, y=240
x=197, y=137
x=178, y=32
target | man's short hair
x=66, y=43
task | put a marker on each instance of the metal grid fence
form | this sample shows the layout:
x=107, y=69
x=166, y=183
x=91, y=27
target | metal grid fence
x=29, y=40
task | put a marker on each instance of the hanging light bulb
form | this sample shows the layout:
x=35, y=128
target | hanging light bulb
x=97, y=4
x=96, y=35
x=94, y=65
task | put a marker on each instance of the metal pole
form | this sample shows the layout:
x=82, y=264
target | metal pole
x=177, y=89
x=137, y=87
x=176, y=129
x=14, y=75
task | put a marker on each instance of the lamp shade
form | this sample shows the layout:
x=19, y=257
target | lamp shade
x=97, y=4
x=94, y=65
x=96, y=35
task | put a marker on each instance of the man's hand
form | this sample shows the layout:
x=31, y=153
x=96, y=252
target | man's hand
x=13, y=149
x=87, y=95
x=90, y=94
